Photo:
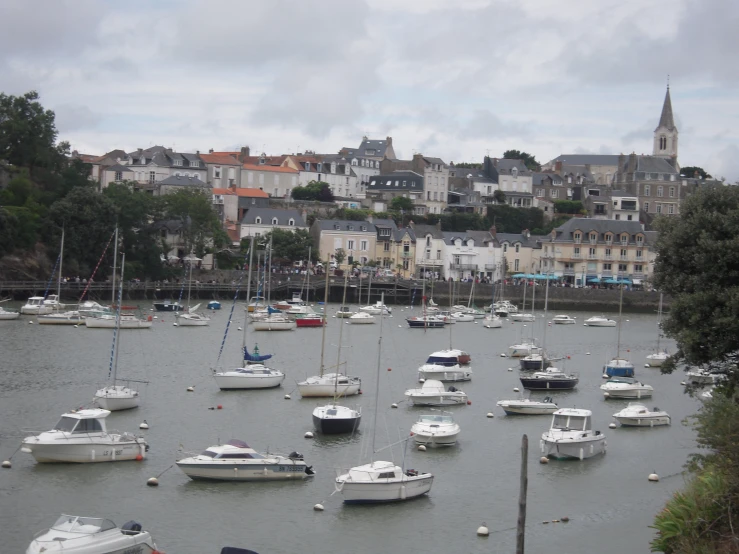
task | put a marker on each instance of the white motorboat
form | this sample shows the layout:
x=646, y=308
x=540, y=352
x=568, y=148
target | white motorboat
x=81, y=437
x=433, y=393
x=435, y=430
x=275, y=322
x=625, y=387
x=256, y=302
x=444, y=373
x=344, y=312
x=571, y=436
x=40, y=305
x=296, y=300
x=460, y=317
x=361, y=318
x=657, y=359
x=504, y=308
x=476, y=313
x=128, y=321
x=563, y=319
x=92, y=535
x=599, y=321
x=301, y=309
x=449, y=357
x=377, y=309
x=523, y=349
x=705, y=396
x=237, y=461
x=72, y=317
x=444, y=315
x=527, y=406
x=492, y=322
x=637, y=415
x=702, y=377
x=116, y=398
x=324, y=385
x=90, y=307
x=191, y=318
x=382, y=482
x=522, y=317
x=8, y=314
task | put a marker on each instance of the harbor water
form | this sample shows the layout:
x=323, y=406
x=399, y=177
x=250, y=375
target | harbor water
x=47, y=370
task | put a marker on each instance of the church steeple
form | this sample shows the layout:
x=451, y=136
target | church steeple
x=665, y=135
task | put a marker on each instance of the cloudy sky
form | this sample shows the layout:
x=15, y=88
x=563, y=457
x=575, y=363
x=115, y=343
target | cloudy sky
x=455, y=79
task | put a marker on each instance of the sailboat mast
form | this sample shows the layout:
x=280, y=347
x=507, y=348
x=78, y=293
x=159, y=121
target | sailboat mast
x=620, y=306
x=269, y=290
x=248, y=293
x=61, y=261
x=116, y=338
x=341, y=332
x=189, y=283
x=546, y=311
x=377, y=384
x=305, y=281
x=659, y=320
x=323, y=332
x=369, y=288
x=115, y=261
x=450, y=314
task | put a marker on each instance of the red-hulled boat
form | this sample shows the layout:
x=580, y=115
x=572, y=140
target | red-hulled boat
x=311, y=320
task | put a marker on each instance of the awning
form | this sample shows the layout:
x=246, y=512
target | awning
x=594, y=280
x=519, y=276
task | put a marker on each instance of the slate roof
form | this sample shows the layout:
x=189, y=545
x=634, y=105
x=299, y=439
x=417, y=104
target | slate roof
x=505, y=166
x=268, y=214
x=398, y=180
x=600, y=226
x=434, y=160
x=665, y=119
x=479, y=237
x=655, y=164
x=423, y=230
x=398, y=234
x=119, y=167
x=583, y=159
x=532, y=241
x=182, y=181
x=379, y=146
x=385, y=223
x=621, y=193
x=330, y=225
x=537, y=178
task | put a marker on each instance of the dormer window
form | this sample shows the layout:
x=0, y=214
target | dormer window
x=458, y=242
x=142, y=161
x=428, y=241
x=471, y=243
x=505, y=247
x=363, y=227
x=639, y=240
x=178, y=163
x=354, y=161
x=609, y=238
x=351, y=227
x=291, y=222
x=624, y=239
x=593, y=238
x=274, y=221
x=262, y=161
x=307, y=166
x=319, y=167
x=577, y=236
x=194, y=163
x=333, y=168
x=514, y=172
x=518, y=247
x=257, y=220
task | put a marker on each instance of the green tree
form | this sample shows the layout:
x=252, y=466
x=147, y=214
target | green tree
x=401, y=203
x=690, y=171
x=27, y=132
x=289, y=246
x=499, y=196
x=508, y=219
x=528, y=159
x=698, y=266
x=202, y=231
x=470, y=165
x=461, y=222
x=340, y=255
x=571, y=207
x=315, y=190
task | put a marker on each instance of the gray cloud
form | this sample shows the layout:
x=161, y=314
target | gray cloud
x=70, y=117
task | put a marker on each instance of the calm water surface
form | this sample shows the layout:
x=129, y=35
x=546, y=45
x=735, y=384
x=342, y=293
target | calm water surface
x=47, y=370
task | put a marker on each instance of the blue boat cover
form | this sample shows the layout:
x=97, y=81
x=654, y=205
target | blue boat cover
x=256, y=357
x=271, y=310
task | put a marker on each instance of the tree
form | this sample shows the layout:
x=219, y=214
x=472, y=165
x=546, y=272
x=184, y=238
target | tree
x=340, y=255
x=401, y=203
x=27, y=132
x=690, y=171
x=572, y=207
x=528, y=160
x=698, y=265
x=315, y=190
x=195, y=208
x=290, y=246
x=499, y=196
x=468, y=165
x=508, y=219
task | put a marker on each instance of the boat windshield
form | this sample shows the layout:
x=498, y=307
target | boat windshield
x=209, y=453
x=436, y=419
x=628, y=380
x=66, y=424
x=82, y=525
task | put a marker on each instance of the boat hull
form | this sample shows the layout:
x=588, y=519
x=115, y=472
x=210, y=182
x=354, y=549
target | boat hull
x=430, y=439
x=107, y=542
x=36, y=310
x=361, y=321
x=425, y=324
x=87, y=452
x=334, y=426
x=628, y=393
x=284, y=471
x=656, y=360
x=326, y=390
x=95, y=323
x=609, y=323
x=117, y=404
x=310, y=322
x=51, y=319
x=522, y=317
x=653, y=421
x=265, y=325
x=242, y=382
x=9, y=315
x=445, y=374
x=384, y=492
x=492, y=323
x=437, y=400
x=185, y=322
x=528, y=410
x=167, y=307
x=573, y=450
x=548, y=384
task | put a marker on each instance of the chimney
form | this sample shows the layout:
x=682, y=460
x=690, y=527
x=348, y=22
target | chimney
x=210, y=151
x=233, y=187
x=494, y=231
x=197, y=152
x=304, y=215
x=140, y=151
x=389, y=141
x=558, y=166
x=410, y=223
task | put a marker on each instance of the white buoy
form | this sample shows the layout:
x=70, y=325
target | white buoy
x=144, y=425
x=152, y=482
x=240, y=329
x=606, y=394
x=646, y=365
x=174, y=325
x=483, y=530
x=475, y=322
x=502, y=354
x=287, y=397
x=422, y=448
x=318, y=507
x=422, y=380
x=399, y=325
x=393, y=405
x=190, y=389
x=682, y=382
x=543, y=460
x=611, y=425
x=584, y=324
x=76, y=325
x=308, y=435
x=7, y=464
x=510, y=369
x=490, y=414
x=30, y=322
x=516, y=389
x=653, y=477
x=587, y=353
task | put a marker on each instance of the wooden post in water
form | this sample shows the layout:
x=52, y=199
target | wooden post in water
x=521, y=527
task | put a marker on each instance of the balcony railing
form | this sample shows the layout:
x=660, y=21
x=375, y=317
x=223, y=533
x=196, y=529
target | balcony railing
x=463, y=266
x=491, y=266
x=427, y=262
x=624, y=258
x=638, y=275
x=592, y=256
x=607, y=273
x=608, y=256
x=406, y=254
x=576, y=255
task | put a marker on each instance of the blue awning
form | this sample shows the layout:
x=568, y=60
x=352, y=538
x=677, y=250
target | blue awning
x=519, y=276
x=594, y=280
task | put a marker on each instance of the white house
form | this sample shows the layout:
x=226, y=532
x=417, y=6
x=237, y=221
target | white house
x=471, y=254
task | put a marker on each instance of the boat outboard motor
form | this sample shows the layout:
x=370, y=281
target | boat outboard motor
x=234, y=550
x=295, y=456
x=309, y=470
x=452, y=389
x=131, y=528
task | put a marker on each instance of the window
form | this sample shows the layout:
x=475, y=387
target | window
x=194, y=163
x=639, y=240
x=672, y=192
x=118, y=175
x=217, y=172
x=291, y=222
x=178, y=162
x=457, y=260
x=274, y=221
x=591, y=252
x=386, y=247
x=624, y=239
x=670, y=208
x=617, y=217
x=609, y=238
x=363, y=245
x=350, y=244
x=606, y=267
x=663, y=142
x=515, y=265
x=554, y=193
x=646, y=207
x=351, y=227
x=438, y=254
x=660, y=191
x=576, y=253
x=257, y=220
x=623, y=268
x=659, y=208
x=639, y=254
x=319, y=167
x=261, y=178
x=518, y=248
x=624, y=253
x=593, y=238
x=505, y=247
x=638, y=268
x=277, y=192
x=152, y=177
x=428, y=195
x=251, y=178
x=578, y=237
x=647, y=190
x=307, y=166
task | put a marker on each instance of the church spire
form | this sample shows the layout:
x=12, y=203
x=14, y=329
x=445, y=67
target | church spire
x=666, y=120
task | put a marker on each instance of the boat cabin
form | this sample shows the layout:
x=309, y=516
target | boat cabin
x=83, y=421
x=35, y=301
x=572, y=420
x=436, y=420
x=233, y=450
x=82, y=525
x=449, y=358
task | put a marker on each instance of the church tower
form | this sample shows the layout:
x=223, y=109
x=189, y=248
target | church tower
x=665, y=135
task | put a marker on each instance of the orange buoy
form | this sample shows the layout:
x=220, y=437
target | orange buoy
x=220, y=407
x=139, y=457
x=469, y=402
x=390, y=369
x=148, y=318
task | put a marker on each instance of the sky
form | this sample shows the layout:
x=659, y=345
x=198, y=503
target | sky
x=452, y=79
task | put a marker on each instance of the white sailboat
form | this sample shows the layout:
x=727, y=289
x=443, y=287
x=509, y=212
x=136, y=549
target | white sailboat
x=381, y=481
x=492, y=320
x=116, y=396
x=253, y=374
x=523, y=315
x=43, y=305
x=190, y=316
x=660, y=355
x=618, y=366
x=329, y=384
